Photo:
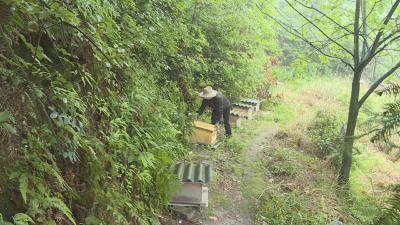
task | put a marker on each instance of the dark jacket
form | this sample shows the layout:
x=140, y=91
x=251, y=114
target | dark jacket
x=218, y=104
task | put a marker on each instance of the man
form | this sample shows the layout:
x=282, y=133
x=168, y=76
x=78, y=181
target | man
x=220, y=106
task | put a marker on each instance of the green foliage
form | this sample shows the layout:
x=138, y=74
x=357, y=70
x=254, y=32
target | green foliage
x=22, y=219
x=300, y=190
x=288, y=208
x=388, y=126
x=96, y=97
x=4, y=117
x=235, y=145
x=390, y=214
x=387, y=123
x=18, y=219
x=326, y=133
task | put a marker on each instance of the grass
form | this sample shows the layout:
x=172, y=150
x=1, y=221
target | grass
x=301, y=190
x=299, y=104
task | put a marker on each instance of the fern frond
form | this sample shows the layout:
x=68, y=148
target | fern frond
x=390, y=122
x=23, y=186
x=57, y=203
x=22, y=219
x=392, y=109
x=390, y=127
x=53, y=171
x=391, y=88
x=390, y=215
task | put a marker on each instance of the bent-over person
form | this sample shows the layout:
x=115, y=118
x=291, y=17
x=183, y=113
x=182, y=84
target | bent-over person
x=221, y=107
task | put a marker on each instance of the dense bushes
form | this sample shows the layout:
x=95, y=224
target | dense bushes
x=94, y=98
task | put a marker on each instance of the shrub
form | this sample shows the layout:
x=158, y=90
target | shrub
x=325, y=132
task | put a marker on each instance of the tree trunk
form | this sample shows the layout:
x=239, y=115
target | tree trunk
x=364, y=27
x=354, y=108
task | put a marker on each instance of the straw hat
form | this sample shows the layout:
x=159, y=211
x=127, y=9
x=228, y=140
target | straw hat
x=208, y=93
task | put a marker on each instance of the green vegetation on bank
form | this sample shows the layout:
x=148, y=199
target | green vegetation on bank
x=320, y=107
x=95, y=98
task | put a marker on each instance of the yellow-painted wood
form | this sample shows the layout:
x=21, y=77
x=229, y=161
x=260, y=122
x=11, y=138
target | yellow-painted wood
x=204, y=133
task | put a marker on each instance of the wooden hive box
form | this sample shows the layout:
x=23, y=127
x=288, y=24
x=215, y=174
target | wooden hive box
x=236, y=118
x=253, y=102
x=243, y=108
x=194, y=178
x=204, y=133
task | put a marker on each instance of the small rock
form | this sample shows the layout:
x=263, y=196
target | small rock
x=213, y=218
x=336, y=222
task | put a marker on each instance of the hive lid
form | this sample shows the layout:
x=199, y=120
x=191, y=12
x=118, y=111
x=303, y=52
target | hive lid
x=251, y=100
x=237, y=113
x=205, y=126
x=192, y=173
x=242, y=105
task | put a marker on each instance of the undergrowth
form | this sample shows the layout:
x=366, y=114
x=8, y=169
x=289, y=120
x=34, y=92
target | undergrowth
x=96, y=98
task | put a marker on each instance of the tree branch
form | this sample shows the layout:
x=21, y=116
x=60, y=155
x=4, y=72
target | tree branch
x=325, y=15
x=373, y=8
x=376, y=42
x=295, y=33
x=80, y=31
x=377, y=83
x=356, y=56
x=364, y=28
x=384, y=47
x=90, y=40
x=319, y=29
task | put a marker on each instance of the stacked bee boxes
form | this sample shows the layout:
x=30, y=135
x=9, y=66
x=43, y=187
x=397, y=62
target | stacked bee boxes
x=253, y=102
x=245, y=109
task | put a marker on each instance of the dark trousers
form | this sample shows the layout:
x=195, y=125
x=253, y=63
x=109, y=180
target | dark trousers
x=225, y=114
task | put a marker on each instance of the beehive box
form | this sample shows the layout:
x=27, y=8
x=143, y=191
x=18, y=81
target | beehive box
x=204, y=133
x=194, y=178
x=236, y=118
x=247, y=110
x=253, y=102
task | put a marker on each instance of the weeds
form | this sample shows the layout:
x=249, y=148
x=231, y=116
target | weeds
x=325, y=132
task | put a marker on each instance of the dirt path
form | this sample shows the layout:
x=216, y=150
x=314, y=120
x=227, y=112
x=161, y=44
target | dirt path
x=237, y=210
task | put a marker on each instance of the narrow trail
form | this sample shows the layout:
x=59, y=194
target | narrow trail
x=238, y=210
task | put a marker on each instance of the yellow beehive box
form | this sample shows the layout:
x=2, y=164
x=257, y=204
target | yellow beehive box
x=204, y=133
